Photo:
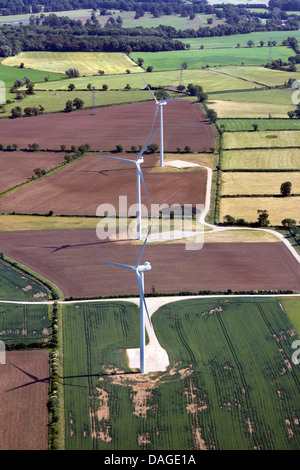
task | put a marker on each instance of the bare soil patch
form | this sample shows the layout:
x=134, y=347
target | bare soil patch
x=79, y=188
x=17, y=167
x=72, y=260
x=23, y=401
x=184, y=124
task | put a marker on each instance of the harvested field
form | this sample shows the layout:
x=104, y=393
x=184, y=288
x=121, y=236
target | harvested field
x=79, y=188
x=258, y=183
x=23, y=401
x=128, y=125
x=72, y=260
x=17, y=167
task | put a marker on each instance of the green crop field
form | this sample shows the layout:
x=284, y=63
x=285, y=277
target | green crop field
x=242, y=39
x=276, y=96
x=15, y=285
x=87, y=63
x=257, y=75
x=171, y=60
x=10, y=74
x=24, y=323
x=263, y=139
x=230, y=384
x=262, y=159
x=237, y=125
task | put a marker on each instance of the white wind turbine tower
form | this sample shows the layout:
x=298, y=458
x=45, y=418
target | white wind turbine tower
x=139, y=160
x=139, y=272
x=159, y=105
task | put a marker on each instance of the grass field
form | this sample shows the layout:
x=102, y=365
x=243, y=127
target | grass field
x=264, y=159
x=262, y=95
x=13, y=223
x=172, y=60
x=242, y=39
x=258, y=183
x=55, y=101
x=24, y=323
x=87, y=63
x=10, y=74
x=209, y=79
x=15, y=285
x=237, y=109
x=262, y=139
x=226, y=387
x=246, y=208
x=258, y=75
x=235, y=125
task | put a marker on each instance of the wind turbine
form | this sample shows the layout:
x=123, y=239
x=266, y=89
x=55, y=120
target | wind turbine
x=139, y=272
x=159, y=105
x=139, y=160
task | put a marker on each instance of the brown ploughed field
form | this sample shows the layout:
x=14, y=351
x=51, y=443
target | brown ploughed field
x=79, y=188
x=184, y=124
x=72, y=260
x=23, y=401
x=17, y=167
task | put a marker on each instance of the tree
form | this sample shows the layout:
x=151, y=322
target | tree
x=286, y=188
x=104, y=87
x=72, y=73
x=39, y=172
x=30, y=87
x=152, y=148
x=119, y=148
x=127, y=87
x=68, y=106
x=16, y=112
x=250, y=43
x=263, y=218
x=288, y=223
x=212, y=115
x=229, y=220
x=149, y=68
x=161, y=94
x=71, y=87
x=255, y=126
x=78, y=103
x=140, y=61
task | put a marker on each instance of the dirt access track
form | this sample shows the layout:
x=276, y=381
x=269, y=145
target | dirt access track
x=79, y=188
x=72, y=260
x=23, y=401
x=128, y=125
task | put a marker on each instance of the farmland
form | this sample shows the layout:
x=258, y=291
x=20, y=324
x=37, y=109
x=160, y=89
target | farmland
x=15, y=285
x=24, y=323
x=230, y=383
x=201, y=58
x=71, y=260
x=24, y=396
x=219, y=391
x=86, y=63
x=251, y=183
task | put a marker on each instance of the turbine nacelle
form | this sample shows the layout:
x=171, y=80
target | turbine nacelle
x=144, y=267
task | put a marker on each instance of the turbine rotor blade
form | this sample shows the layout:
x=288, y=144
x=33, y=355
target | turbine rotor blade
x=150, y=90
x=124, y=266
x=143, y=181
x=143, y=247
x=145, y=146
x=154, y=118
x=169, y=99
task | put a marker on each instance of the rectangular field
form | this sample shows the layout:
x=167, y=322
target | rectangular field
x=17, y=167
x=264, y=159
x=257, y=75
x=87, y=63
x=71, y=259
x=237, y=109
x=238, y=125
x=171, y=60
x=246, y=208
x=226, y=386
x=258, y=183
x=9, y=74
x=24, y=323
x=23, y=401
x=261, y=139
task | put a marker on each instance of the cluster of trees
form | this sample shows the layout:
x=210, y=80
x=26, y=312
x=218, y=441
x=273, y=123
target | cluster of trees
x=77, y=103
x=295, y=113
x=262, y=220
